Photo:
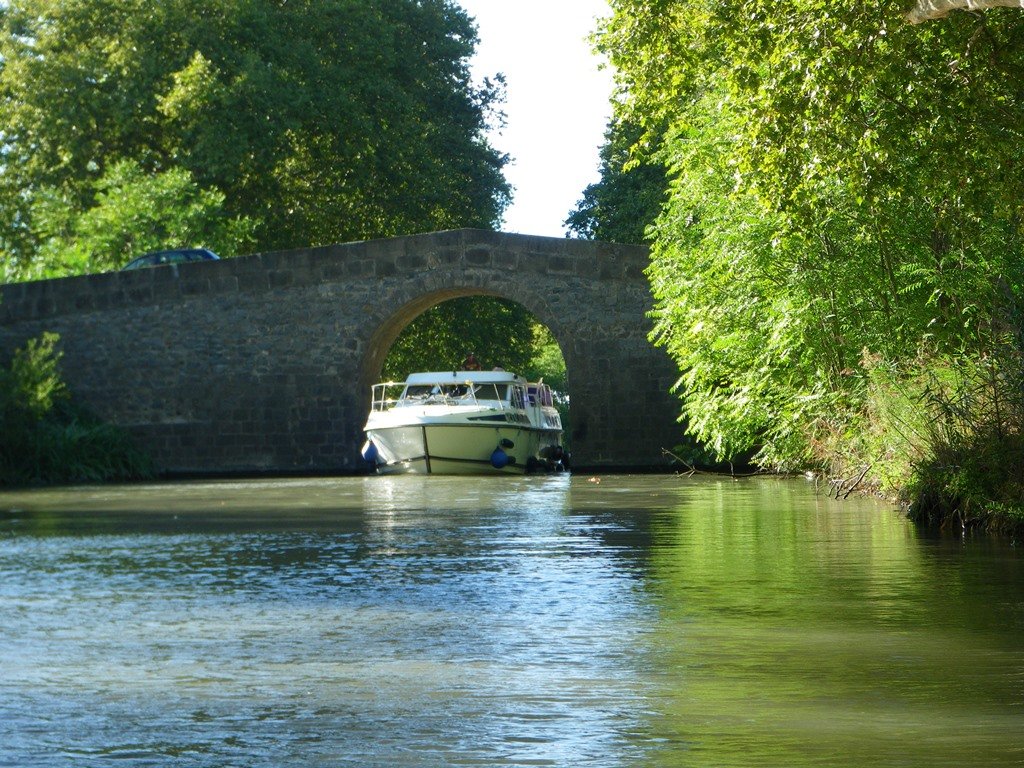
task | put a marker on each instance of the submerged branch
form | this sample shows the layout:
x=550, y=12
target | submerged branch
x=839, y=485
x=692, y=470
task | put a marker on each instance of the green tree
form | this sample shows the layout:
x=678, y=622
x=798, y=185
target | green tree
x=499, y=332
x=626, y=200
x=844, y=187
x=134, y=212
x=320, y=120
x=490, y=328
x=31, y=385
x=548, y=364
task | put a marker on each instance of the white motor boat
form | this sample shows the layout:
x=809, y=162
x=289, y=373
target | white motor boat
x=464, y=422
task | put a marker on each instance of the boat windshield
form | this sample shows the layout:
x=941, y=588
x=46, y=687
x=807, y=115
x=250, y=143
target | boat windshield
x=496, y=394
x=454, y=392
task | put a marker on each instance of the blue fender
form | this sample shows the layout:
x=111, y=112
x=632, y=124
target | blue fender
x=369, y=452
x=499, y=459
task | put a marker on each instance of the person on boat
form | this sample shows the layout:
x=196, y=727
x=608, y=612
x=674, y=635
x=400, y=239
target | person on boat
x=470, y=363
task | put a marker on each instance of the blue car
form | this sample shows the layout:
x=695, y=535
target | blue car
x=174, y=256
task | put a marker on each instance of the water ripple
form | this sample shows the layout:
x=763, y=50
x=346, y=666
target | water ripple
x=498, y=621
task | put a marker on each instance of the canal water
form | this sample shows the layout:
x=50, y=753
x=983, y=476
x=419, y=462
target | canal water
x=409, y=621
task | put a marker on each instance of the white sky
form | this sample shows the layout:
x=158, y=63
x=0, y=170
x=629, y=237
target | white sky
x=557, y=102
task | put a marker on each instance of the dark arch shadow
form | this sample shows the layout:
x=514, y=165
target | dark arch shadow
x=388, y=331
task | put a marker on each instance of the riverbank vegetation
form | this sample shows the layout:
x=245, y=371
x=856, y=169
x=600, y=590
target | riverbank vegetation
x=839, y=259
x=47, y=438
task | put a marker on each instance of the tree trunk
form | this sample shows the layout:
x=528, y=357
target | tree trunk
x=927, y=10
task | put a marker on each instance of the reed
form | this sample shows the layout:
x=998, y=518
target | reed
x=945, y=437
x=973, y=474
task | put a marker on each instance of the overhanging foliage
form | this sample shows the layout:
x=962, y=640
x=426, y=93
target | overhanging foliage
x=844, y=187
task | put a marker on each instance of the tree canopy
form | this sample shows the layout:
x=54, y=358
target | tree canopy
x=844, y=188
x=499, y=332
x=293, y=124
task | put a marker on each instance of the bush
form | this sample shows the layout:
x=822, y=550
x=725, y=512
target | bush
x=45, y=437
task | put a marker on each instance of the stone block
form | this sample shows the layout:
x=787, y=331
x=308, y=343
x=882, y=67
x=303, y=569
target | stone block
x=280, y=278
x=558, y=265
x=385, y=268
x=411, y=262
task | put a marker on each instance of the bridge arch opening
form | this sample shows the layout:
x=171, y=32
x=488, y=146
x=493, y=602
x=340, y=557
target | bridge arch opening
x=438, y=330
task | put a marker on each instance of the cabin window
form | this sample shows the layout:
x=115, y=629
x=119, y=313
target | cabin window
x=492, y=392
x=462, y=390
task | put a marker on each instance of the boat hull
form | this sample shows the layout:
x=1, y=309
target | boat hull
x=463, y=423
x=464, y=449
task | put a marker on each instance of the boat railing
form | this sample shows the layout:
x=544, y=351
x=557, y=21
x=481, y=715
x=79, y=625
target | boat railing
x=386, y=395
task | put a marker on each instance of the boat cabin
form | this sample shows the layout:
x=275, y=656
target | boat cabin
x=498, y=389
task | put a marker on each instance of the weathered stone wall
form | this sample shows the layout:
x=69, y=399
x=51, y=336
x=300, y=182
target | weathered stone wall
x=263, y=363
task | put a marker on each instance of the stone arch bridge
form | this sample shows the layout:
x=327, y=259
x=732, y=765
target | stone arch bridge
x=263, y=363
